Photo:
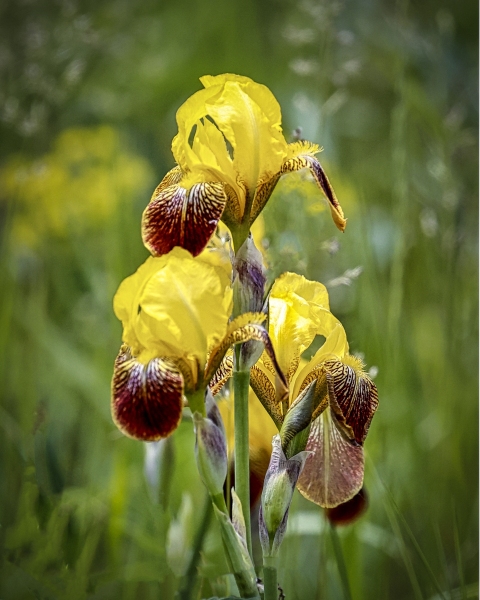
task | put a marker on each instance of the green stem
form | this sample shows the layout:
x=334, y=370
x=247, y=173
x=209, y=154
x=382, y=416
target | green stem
x=189, y=582
x=241, y=381
x=270, y=583
x=240, y=234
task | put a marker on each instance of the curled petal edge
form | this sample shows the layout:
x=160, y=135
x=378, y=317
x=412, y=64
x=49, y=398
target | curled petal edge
x=354, y=393
x=302, y=161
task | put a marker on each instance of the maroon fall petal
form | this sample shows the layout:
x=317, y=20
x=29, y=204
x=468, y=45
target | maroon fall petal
x=333, y=472
x=356, y=395
x=180, y=217
x=146, y=398
x=349, y=511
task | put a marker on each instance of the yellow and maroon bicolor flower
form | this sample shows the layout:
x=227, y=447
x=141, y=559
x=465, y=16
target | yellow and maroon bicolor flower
x=230, y=153
x=346, y=396
x=175, y=312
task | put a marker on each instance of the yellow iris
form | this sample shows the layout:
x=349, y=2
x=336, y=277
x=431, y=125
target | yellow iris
x=299, y=311
x=173, y=309
x=230, y=153
x=175, y=312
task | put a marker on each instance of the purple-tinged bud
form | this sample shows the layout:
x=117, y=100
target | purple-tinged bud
x=211, y=449
x=248, y=278
x=280, y=481
x=248, y=289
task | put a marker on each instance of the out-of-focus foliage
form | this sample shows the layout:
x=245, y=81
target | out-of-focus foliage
x=87, y=103
x=77, y=185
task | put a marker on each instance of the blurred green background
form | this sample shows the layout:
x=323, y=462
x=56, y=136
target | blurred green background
x=88, y=97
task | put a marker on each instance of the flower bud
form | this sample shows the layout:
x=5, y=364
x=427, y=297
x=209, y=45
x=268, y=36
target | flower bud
x=248, y=289
x=211, y=450
x=280, y=481
x=248, y=278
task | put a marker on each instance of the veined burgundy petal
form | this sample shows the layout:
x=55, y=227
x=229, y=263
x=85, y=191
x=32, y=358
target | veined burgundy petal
x=180, y=217
x=333, y=472
x=146, y=398
x=355, y=393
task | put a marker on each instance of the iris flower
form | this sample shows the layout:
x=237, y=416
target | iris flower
x=347, y=398
x=175, y=312
x=230, y=153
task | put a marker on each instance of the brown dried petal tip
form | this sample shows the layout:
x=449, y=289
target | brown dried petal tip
x=307, y=161
x=146, y=398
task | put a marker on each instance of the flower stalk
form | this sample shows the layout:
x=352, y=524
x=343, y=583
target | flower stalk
x=241, y=380
x=270, y=578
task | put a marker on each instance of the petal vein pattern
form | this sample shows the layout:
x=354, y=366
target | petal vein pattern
x=180, y=217
x=355, y=393
x=146, y=398
x=333, y=472
x=172, y=310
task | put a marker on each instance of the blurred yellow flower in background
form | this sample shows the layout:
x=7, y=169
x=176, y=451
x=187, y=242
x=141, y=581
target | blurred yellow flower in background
x=77, y=185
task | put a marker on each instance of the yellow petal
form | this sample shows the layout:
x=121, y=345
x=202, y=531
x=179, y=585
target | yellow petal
x=188, y=114
x=207, y=158
x=258, y=92
x=334, y=348
x=176, y=305
x=127, y=300
x=249, y=117
x=298, y=309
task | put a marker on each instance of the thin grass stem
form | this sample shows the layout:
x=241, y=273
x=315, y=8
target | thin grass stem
x=340, y=559
x=189, y=580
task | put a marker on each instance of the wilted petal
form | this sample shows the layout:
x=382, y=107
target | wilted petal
x=177, y=216
x=333, y=473
x=146, y=398
x=301, y=156
x=355, y=393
